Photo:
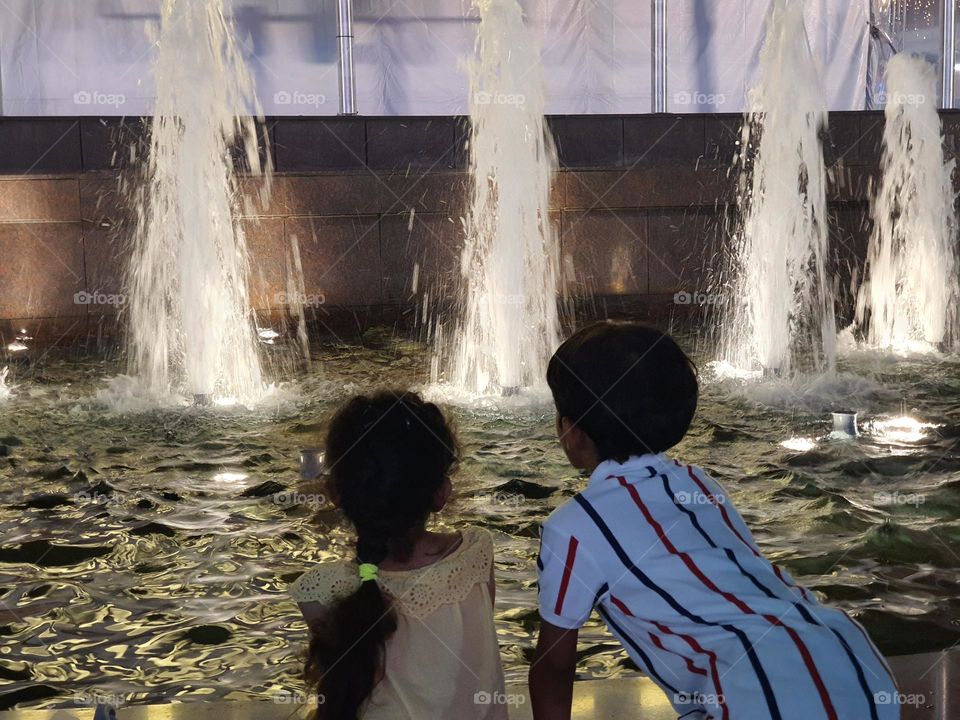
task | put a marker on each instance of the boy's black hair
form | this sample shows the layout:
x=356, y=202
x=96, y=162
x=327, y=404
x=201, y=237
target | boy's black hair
x=629, y=387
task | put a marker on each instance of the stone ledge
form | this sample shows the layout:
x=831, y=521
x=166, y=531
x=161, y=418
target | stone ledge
x=932, y=676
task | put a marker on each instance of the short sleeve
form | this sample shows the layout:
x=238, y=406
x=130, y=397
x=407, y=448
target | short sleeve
x=570, y=583
x=480, y=550
x=323, y=584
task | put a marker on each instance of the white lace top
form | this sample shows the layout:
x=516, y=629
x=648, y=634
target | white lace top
x=444, y=660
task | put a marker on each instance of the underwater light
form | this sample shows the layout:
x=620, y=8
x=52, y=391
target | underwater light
x=16, y=346
x=230, y=477
x=845, y=423
x=311, y=463
x=799, y=444
x=903, y=429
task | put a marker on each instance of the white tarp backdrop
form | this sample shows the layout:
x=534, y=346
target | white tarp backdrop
x=93, y=57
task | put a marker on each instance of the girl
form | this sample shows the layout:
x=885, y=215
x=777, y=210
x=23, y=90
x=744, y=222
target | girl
x=405, y=629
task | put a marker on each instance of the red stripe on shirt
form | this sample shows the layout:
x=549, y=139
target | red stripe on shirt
x=619, y=603
x=656, y=640
x=726, y=519
x=567, y=571
x=742, y=606
x=711, y=656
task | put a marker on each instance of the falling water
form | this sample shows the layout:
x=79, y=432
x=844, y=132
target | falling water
x=190, y=324
x=5, y=390
x=908, y=301
x=508, y=325
x=776, y=302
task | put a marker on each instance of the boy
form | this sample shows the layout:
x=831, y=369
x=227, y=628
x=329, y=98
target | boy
x=658, y=550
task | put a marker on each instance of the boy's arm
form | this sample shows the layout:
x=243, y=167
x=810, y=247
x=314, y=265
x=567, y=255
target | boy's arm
x=569, y=585
x=552, y=672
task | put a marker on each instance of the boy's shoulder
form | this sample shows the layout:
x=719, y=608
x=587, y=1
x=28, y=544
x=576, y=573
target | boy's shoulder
x=672, y=481
x=567, y=515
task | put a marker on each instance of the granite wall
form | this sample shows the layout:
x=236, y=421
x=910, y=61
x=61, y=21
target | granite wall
x=375, y=206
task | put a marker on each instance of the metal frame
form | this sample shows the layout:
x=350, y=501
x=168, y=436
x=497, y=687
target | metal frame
x=348, y=85
x=659, y=55
x=949, y=58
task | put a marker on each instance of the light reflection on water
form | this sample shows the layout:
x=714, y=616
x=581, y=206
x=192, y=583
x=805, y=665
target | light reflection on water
x=146, y=554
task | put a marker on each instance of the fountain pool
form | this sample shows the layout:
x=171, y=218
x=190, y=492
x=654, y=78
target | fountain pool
x=145, y=556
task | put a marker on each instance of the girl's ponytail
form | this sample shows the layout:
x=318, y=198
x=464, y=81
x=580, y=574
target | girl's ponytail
x=345, y=657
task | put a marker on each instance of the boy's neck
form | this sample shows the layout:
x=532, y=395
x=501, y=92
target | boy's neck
x=594, y=465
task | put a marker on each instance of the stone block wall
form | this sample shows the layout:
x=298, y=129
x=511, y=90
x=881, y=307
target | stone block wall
x=641, y=204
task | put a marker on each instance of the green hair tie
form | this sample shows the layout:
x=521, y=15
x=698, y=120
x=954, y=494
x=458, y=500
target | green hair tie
x=368, y=571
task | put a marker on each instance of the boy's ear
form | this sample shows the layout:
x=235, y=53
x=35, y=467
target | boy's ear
x=442, y=496
x=568, y=433
x=577, y=445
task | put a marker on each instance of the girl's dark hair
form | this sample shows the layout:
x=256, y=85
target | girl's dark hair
x=387, y=454
x=629, y=387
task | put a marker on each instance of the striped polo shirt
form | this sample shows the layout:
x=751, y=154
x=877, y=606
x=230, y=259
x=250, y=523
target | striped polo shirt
x=662, y=555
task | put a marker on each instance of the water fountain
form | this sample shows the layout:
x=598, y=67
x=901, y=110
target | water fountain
x=908, y=301
x=508, y=322
x=190, y=325
x=776, y=305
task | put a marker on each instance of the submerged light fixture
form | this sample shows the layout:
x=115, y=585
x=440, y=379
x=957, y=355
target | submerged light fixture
x=844, y=424
x=311, y=463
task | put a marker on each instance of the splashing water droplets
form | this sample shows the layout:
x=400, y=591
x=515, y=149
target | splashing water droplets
x=777, y=308
x=190, y=324
x=508, y=323
x=908, y=303
x=5, y=390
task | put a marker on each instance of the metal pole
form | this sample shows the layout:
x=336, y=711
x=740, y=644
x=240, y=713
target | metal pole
x=659, y=10
x=348, y=85
x=949, y=33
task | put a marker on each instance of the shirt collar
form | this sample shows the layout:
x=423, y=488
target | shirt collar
x=634, y=464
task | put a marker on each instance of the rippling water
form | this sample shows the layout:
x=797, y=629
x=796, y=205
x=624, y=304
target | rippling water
x=146, y=555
